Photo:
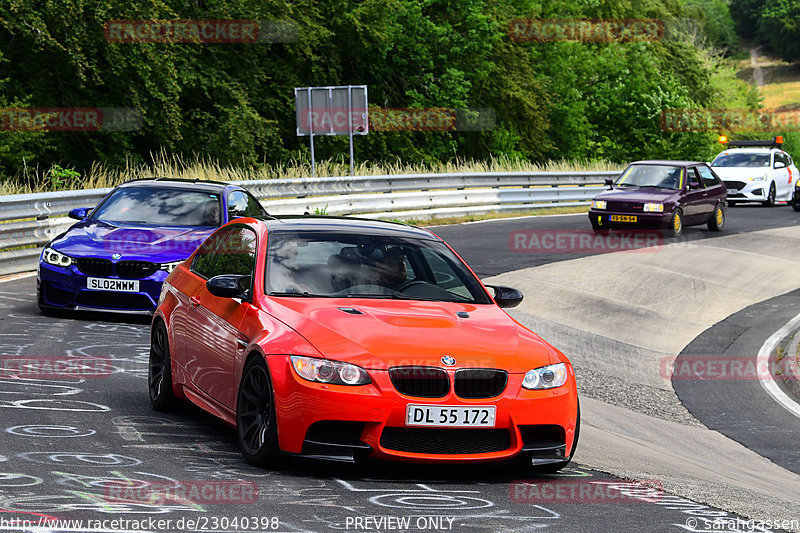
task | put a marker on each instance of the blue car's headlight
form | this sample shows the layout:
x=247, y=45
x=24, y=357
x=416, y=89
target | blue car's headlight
x=169, y=267
x=327, y=371
x=52, y=257
x=546, y=377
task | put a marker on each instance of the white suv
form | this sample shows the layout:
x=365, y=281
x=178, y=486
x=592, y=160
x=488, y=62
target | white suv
x=757, y=171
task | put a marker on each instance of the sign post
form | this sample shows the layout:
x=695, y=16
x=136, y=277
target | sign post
x=339, y=110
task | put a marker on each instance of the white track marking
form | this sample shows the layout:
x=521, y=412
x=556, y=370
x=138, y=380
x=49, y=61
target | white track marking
x=13, y=277
x=763, y=359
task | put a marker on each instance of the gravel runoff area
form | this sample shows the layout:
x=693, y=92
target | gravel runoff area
x=645, y=399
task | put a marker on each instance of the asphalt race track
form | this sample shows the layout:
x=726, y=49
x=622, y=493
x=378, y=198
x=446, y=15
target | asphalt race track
x=77, y=448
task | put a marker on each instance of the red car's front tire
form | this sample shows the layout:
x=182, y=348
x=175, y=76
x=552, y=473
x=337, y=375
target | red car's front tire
x=159, y=371
x=256, y=423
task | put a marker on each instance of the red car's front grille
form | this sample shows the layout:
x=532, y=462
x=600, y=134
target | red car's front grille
x=445, y=441
x=480, y=382
x=420, y=381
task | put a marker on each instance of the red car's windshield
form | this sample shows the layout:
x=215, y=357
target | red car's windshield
x=341, y=265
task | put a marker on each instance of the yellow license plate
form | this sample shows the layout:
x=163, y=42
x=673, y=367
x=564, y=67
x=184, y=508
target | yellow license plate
x=623, y=218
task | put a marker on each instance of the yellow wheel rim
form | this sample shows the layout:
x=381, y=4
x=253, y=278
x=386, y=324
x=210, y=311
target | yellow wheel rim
x=676, y=222
x=719, y=216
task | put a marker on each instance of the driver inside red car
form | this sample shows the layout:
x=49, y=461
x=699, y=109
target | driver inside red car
x=391, y=269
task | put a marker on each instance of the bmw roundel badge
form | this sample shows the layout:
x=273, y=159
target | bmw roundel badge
x=448, y=360
x=115, y=257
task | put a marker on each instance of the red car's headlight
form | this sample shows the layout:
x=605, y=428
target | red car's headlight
x=546, y=377
x=327, y=371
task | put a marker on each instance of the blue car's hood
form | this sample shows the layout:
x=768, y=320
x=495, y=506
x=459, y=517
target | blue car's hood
x=159, y=244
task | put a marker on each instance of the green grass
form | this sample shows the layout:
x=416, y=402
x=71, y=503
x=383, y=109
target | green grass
x=100, y=176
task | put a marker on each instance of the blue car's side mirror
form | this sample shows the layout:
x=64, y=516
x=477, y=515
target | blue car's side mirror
x=79, y=213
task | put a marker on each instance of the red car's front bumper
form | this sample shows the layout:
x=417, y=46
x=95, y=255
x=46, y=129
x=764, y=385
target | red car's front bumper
x=331, y=420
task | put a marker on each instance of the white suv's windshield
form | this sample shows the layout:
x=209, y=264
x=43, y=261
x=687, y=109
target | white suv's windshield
x=741, y=160
x=364, y=266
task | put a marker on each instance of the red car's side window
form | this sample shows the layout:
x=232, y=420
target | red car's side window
x=205, y=257
x=237, y=254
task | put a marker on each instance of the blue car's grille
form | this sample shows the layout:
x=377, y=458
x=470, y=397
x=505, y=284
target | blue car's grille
x=92, y=266
x=135, y=269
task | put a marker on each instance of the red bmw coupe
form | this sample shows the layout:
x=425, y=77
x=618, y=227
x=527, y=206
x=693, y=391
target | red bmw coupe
x=345, y=338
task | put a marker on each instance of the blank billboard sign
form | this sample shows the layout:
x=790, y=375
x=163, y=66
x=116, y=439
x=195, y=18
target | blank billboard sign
x=332, y=110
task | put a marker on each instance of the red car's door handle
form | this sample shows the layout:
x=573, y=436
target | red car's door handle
x=195, y=300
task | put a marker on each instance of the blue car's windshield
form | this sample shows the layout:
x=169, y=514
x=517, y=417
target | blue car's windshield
x=661, y=176
x=160, y=206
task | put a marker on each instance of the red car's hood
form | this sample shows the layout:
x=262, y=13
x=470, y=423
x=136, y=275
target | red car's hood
x=404, y=332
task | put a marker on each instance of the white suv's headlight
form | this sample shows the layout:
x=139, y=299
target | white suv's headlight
x=598, y=204
x=55, y=258
x=760, y=178
x=546, y=377
x=653, y=208
x=327, y=371
x=169, y=267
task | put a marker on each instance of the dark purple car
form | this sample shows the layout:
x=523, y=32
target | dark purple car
x=119, y=254
x=666, y=195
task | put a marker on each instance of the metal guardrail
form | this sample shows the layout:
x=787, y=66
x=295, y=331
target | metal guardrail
x=32, y=220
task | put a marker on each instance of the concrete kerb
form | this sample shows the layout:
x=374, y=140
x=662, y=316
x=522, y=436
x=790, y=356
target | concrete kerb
x=787, y=356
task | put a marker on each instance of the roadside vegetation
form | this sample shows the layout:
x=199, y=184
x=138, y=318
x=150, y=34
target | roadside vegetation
x=100, y=176
x=228, y=109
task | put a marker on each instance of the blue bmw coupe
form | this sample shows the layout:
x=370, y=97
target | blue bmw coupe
x=120, y=252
